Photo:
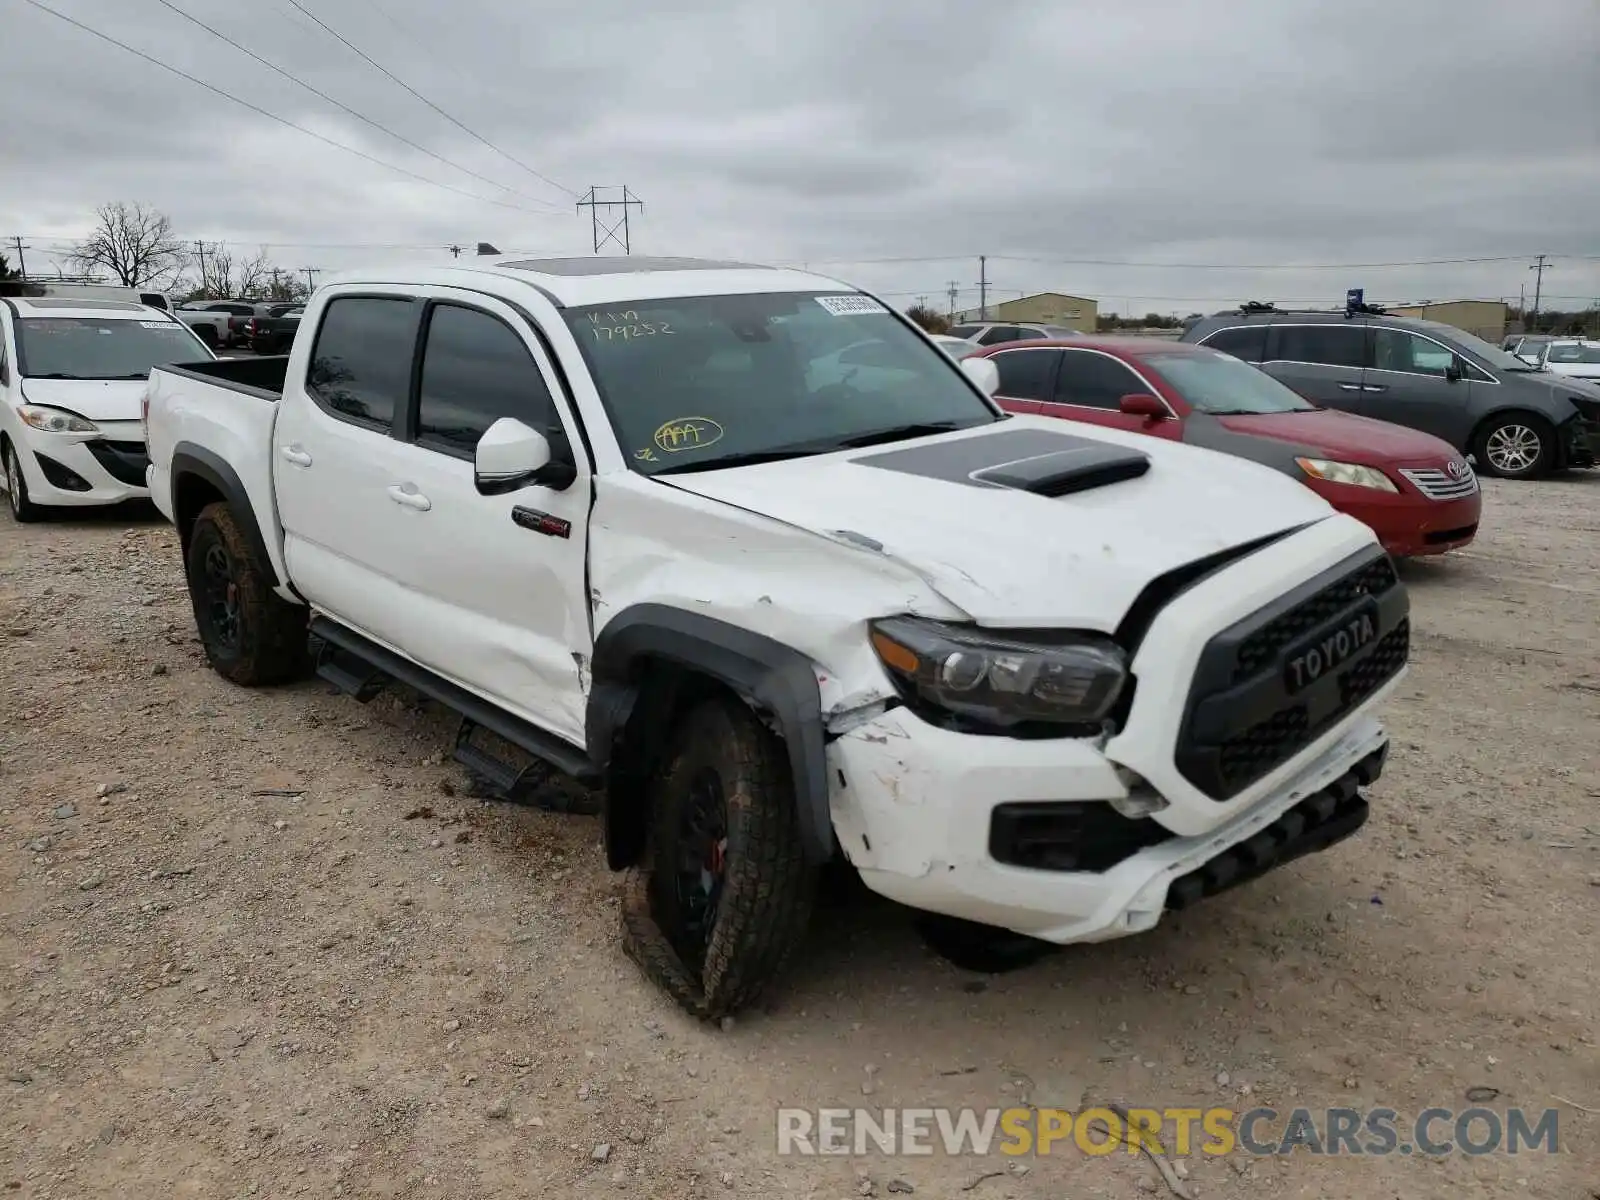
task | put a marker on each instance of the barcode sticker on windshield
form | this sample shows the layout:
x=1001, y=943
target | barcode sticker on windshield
x=850, y=306
x=155, y=324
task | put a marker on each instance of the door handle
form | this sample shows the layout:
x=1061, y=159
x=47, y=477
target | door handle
x=296, y=455
x=1349, y=387
x=1375, y=387
x=407, y=494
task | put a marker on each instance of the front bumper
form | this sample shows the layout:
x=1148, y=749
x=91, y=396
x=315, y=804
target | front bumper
x=1407, y=523
x=931, y=817
x=75, y=470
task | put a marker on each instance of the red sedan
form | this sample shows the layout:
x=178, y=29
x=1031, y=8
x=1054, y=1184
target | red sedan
x=1413, y=489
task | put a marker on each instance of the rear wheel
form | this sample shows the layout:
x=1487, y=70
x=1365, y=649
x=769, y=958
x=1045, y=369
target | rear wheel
x=207, y=334
x=1516, y=446
x=725, y=896
x=251, y=636
x=22, y=508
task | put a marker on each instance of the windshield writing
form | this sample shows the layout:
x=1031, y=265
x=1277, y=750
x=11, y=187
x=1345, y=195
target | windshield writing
x=101, y=347
x=693, y=382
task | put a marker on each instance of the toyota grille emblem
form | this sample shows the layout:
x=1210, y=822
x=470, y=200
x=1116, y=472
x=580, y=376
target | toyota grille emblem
x=1457, y=469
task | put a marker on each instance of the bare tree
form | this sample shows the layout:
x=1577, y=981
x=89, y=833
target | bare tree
x=930, y=320
x=254, y=275
x=134, y=243
x=224, y=277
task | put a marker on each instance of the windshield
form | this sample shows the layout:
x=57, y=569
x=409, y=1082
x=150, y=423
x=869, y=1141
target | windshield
x=1572, y=353
x=702, y=381
x=101, y=347
x=1221, y=384
x=1485, y=352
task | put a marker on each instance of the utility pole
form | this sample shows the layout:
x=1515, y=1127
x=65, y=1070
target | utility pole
x=950, y=291
x=604, y=232
x=310, y=273
x=200, y=253
x=276, y=294
x=22, y=263
x=1538, y=287
x=455, y=251
x=983, y=287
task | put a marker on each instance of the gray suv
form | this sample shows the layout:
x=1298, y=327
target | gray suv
x=1516, y=421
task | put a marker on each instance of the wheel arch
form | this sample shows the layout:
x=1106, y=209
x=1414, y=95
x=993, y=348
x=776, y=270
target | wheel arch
x=651, y=660
x=201, y=477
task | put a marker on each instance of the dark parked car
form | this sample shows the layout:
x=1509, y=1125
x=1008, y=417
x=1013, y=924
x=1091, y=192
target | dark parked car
x=273, y=335
x=1515, y=420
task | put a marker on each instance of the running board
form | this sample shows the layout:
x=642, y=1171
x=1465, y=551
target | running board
x=379, y=663
x=352, y=675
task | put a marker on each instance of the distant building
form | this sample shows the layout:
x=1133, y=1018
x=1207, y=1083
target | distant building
x=1047, y=308
x=1485, y=318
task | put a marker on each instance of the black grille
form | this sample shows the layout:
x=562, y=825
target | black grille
x=1262, y=647
x=1317, y=822
x=1068, y=835
x=123, y=461
x=1257, y=700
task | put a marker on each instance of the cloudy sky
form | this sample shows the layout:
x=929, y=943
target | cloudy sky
x=1156, y=154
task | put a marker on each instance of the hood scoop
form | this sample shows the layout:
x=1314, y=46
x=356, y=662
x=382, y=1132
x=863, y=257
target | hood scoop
x=1040, y=462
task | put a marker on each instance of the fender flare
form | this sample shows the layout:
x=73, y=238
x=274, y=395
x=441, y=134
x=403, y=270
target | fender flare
x=190, y=459
x=776, y=679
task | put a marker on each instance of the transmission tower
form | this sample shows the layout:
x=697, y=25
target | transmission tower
x=607, y=231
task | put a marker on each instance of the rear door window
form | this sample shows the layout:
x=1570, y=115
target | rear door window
x=1026, y=374
x=1324, y=345
x=1095, y=380
x=361, y=364
x=1248, y=342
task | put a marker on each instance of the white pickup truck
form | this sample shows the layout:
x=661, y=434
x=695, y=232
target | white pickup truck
x=743, y=548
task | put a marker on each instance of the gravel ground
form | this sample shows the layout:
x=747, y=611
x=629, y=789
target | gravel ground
x=268, y=943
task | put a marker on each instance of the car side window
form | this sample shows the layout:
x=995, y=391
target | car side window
x=1026, y=374
x=999, y=333
x=1094, y=380
x=475, y=370
x=361, y=363
x=965, y=331
x=1325, y=345
x=1248, y=342
x=1402, y=350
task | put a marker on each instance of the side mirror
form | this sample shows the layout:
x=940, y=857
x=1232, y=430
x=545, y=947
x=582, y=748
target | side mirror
x=1455, y=372
x=1142, y=404
x=982, y=372
x=510, y=455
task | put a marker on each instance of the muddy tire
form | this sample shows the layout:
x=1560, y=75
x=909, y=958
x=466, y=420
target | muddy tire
x=980, y=948
x=723, y=898
x=251, y=636
x=23, y=510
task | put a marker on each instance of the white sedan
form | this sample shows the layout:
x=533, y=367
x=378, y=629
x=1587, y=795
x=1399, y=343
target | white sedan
x=72, y=381
x=956, y=348
x=1576, y=357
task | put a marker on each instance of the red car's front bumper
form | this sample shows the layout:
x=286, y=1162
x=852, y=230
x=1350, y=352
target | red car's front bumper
x=1408, y=523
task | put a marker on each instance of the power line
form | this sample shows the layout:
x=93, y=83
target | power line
x=391, y=75
x=1109, y=262
x=272, y=66
x=255, y=108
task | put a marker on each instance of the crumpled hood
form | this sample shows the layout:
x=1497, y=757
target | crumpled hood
x=96, y=399
x=1344, y=436
x=1010, y=557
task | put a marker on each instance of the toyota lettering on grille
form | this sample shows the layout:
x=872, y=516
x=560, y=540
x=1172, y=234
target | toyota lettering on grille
x=1331, y=649
x=1457, y=469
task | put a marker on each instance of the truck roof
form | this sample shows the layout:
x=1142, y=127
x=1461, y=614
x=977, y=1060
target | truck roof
x=574, y=282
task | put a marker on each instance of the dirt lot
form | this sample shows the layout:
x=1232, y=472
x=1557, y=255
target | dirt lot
x=369, y=983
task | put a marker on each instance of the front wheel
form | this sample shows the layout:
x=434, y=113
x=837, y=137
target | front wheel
x=22, y=508
x=251, y=636
x=1516, y=446
x=726, y=894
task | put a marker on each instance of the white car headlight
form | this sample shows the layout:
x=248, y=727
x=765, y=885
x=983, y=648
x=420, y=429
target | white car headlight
x=55, y=420
x=1342, y=472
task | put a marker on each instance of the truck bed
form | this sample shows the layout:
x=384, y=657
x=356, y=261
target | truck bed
x=259, y=377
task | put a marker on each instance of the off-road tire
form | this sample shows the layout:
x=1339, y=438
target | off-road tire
x=767, y=888
x=207, y=334
x=22, y=508
x=271, y=643
x=981, y=948
x=1503, y=425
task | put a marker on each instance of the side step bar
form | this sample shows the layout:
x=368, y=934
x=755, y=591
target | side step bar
x=360, y=666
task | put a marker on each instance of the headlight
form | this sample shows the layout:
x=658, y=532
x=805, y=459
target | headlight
x=55, y=420
x=1343, y=472
x=1066, y=679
